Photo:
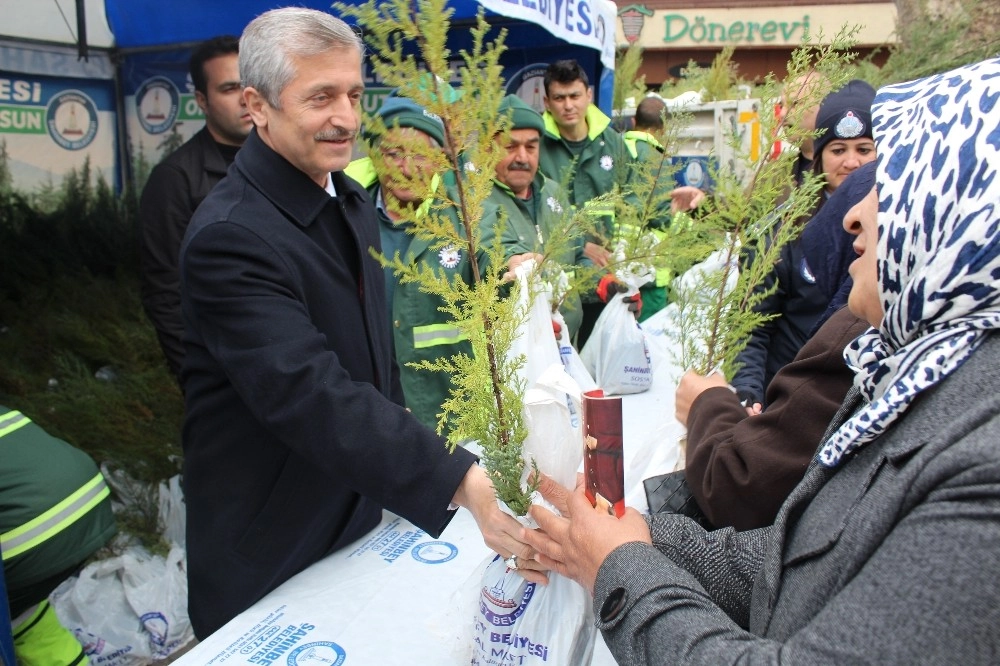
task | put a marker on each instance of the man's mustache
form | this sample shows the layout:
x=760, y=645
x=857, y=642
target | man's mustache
x=519, y=166
x=336, y=134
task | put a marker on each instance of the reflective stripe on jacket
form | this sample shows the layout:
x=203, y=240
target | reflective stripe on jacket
x=55, y=508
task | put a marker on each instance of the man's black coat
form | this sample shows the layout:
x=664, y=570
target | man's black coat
x=295, y=436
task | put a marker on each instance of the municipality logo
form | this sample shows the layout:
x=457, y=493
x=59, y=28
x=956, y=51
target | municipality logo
x=505, y=598
x=157, y=102
x=327, y=653
x=849, y=127
x=529, y=85
x=694, y=173
x=450, y=256
x=434, y=552
x=157, y=626
x=71, y=119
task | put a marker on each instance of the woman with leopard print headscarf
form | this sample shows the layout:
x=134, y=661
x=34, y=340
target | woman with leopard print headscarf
x=888, y=550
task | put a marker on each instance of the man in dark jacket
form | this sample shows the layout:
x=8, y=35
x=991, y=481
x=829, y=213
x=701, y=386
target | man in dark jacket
x=180, y=182
x=295, y=435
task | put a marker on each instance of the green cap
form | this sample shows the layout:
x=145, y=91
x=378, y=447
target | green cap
x=403, y=112
x=522, y=116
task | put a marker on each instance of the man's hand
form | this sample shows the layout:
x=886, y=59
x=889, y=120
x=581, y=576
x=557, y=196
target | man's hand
x=691, y=386
x=517, y=260
x=577, y=543
x=685, y=198
x=501, y=532
x=609, y=285
x=598, y=254
x=634, y=304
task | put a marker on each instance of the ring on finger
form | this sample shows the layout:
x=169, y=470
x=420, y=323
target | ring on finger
x=511, y=562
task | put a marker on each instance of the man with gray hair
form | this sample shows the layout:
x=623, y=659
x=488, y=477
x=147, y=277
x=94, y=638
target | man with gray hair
x=295, y=436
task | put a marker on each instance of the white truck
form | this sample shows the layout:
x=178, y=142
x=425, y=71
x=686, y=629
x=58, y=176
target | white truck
x=724, y=135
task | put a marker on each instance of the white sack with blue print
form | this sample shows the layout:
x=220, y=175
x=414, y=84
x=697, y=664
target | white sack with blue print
x=616, y=353
x=517, y=622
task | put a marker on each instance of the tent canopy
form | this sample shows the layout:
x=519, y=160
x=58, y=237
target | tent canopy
x=131, y=25
x=140, y=23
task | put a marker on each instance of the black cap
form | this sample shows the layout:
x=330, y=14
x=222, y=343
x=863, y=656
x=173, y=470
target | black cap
x=845, y=114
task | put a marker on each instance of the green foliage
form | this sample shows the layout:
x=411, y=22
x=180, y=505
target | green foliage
x=717, y=314
x=409, y=52
x=721, y=81
x=71, y=314
x=628, y=83
x=140, y=168
x=936, y=38
x=86, y=228
x=746, y=222
x=6, y=178
x=171, y=142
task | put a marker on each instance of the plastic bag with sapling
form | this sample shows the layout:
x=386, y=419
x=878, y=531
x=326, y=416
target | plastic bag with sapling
x=681, y=328
x=517, y=622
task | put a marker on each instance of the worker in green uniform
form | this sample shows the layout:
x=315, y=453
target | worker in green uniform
x=534, y=207
x=55, y=512
x=582, y=150
x=666, y=198
x=420, y=330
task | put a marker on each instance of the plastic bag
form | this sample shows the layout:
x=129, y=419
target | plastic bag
x=681, y=334
x=173, y=511
x=570, y=357
x=616, y=353
x=517, y=622
x=127, y=610
x=535, y=339
x=523, y=623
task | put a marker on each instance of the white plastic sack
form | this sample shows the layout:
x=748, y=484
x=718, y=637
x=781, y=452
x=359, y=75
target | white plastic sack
x=693, y=287
x=535, y=339
x=517, y=622
x=552, y=396
x=523, y=623
x=616, y=353
x=571, y=360
x=127, y=610
x=173, y=511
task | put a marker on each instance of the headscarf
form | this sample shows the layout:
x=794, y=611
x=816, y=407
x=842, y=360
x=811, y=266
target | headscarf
x=938, y=245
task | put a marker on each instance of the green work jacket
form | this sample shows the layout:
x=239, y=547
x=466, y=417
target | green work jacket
x=603, y=163
x=529, y=227
x=642, y=145
x=55, y=507
x=420, y=330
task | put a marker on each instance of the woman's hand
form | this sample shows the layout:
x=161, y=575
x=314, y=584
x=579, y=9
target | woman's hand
x=691, y=386
x=577, y=543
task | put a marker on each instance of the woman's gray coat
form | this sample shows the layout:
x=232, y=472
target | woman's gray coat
x=892, y=558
